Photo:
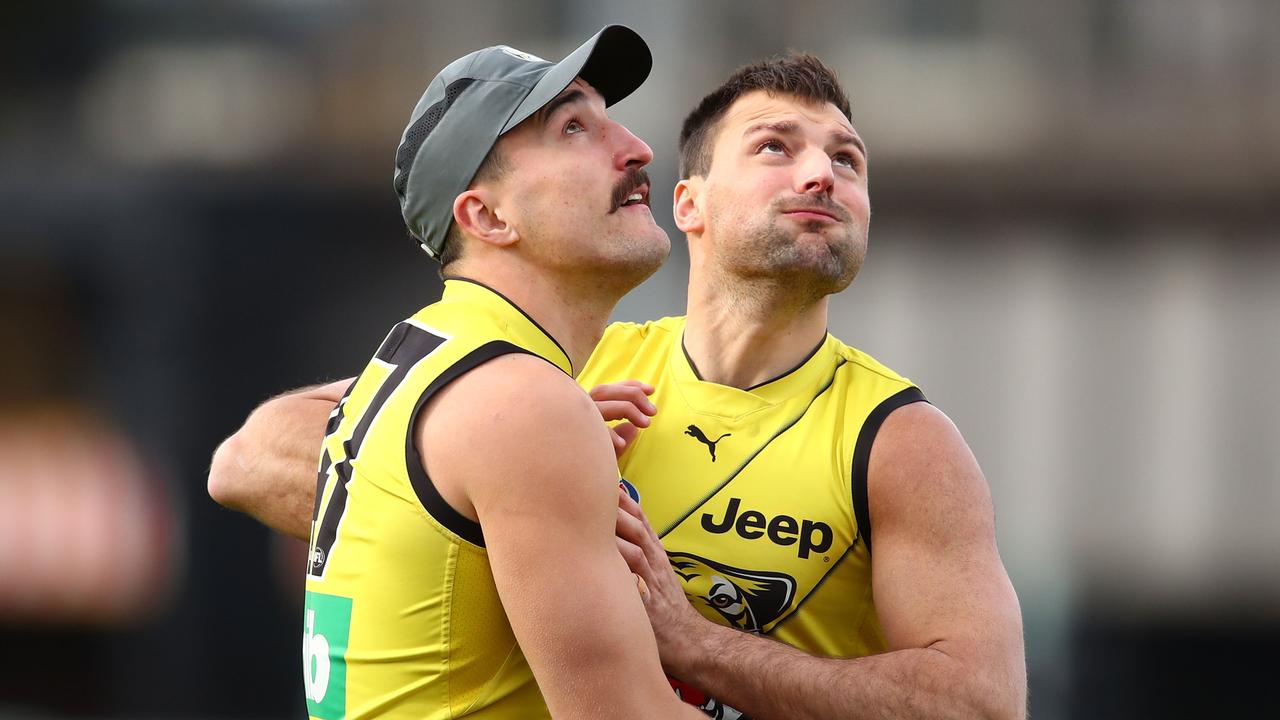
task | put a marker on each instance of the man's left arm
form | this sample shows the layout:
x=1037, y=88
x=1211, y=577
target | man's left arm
x=948, y=610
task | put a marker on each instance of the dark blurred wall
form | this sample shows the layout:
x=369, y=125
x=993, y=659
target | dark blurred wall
x=1076, y=252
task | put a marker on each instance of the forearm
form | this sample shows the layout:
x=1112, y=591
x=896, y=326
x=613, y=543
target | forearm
x=235, y=483
x=267, y=469
x=767, y=679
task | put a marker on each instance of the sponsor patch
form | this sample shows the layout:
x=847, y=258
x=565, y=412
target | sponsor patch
x=325, y=631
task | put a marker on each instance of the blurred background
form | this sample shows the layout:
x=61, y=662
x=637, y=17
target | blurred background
x=1075, y=252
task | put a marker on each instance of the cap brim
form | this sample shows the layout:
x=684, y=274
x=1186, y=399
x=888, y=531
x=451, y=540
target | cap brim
x=615, y=61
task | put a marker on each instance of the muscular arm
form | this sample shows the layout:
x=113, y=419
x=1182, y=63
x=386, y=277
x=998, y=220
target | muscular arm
x=949, y=612
x=267, y=469
x=540, y=477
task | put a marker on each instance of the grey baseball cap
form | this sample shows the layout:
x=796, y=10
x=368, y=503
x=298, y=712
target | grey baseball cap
x=480, y=96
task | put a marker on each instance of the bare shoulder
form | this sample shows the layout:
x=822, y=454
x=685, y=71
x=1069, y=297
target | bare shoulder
x=520, y=395
x=922, y=468
x=515, y=429
x=919, y=449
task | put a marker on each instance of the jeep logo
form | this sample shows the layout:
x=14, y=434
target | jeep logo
x=812, y=536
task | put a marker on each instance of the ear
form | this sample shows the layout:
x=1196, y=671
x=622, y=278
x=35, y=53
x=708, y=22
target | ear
x=477, y=215
x=687, y=205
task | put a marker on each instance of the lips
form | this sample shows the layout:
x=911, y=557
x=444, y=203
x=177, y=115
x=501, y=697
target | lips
x=640, y=196
x=831, y=211
x=636, y=181
x=814, y=211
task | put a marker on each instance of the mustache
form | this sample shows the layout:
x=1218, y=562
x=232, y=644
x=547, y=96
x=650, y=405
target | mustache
x=815, y=202
x=629, y=183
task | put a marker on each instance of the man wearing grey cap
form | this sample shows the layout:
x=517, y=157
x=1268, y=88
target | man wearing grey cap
x=453, y=559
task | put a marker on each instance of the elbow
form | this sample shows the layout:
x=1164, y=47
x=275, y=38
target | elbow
x=224, y=473
x=1013, y=710
x=1004, y=699
x=994, y=689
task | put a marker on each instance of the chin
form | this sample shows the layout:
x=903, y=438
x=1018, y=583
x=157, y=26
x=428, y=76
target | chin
x=629, y=269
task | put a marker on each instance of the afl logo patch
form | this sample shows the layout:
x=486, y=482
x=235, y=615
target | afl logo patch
x=631, y=489
x=520, y=54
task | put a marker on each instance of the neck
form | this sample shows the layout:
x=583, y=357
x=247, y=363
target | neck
x=575, y=317
x=742, y=332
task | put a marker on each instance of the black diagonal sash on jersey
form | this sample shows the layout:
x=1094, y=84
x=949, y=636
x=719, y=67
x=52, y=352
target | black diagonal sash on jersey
x=801, y=594
x=754, y=454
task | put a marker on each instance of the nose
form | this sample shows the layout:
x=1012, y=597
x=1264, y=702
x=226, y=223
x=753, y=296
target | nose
x=629, y=150
x=814, y=173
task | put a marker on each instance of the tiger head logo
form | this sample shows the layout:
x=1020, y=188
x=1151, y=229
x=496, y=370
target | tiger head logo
x=747, y=599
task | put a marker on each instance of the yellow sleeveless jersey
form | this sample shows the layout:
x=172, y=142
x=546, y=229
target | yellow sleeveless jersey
x=402, y=619
x=759, y=495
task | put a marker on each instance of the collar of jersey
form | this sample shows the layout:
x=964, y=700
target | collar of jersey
x=730, y=402
x=513, y=320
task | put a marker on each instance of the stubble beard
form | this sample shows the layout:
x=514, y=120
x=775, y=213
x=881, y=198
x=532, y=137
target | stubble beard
x=807, y=264
x=630, y=259
x=610, y=259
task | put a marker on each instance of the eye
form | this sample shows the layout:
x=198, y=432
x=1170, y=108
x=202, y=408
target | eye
x=771, y=147
x=845, y=160
x=574, y=126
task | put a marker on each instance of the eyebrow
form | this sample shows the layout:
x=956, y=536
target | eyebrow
x=844, y=138
x=561, y=100
x=790, y=127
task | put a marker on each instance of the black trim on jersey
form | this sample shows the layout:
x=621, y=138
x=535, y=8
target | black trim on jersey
x=862, y=454
x=403, y=347
x=572, y=371
x=688, y=359
x=807, y=358
x=801, y=364
x=847, y=551
x=335, y=420
x=696, y=506
x=464, y=527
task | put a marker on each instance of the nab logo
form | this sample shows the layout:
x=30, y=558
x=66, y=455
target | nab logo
x=325, y=633
x=809, y=535
x=696, y=433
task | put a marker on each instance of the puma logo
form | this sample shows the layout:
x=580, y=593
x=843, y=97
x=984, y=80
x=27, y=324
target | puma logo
x=696, y=433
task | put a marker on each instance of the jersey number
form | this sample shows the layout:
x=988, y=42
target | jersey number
x=405, y=346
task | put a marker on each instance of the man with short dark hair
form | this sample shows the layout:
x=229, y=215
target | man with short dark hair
x=779, y=448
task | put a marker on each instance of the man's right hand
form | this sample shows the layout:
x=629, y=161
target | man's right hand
x=627, y=401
